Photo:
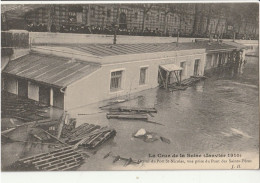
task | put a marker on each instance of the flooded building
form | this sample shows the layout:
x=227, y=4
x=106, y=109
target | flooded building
x=68, y=76
x=96, y=72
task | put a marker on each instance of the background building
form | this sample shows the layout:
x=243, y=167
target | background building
x=198, y=20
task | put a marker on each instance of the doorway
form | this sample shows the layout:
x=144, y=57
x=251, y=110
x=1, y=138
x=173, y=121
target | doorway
x=58, y=98
x=44, y=95
x=196, y=67
x=23, y=88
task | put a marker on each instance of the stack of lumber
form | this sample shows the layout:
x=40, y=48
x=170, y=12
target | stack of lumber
x=89, y=135
x=193, y=79
x=136, y=113
x=21, y=108
x=186, y=83
x=59, y=160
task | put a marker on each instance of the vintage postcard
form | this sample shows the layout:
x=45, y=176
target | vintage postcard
x=129, y=86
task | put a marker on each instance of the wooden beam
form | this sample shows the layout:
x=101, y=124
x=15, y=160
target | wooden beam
x=167, y=75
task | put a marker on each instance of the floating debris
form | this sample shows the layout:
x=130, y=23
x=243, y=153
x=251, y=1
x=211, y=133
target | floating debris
x=149, y=136
x=128, y=161
x=59, y=160
x=89, y=135
x=108, y=154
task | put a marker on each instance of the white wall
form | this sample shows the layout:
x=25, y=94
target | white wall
x=72, y=38
x=33, y=91
x=96, y=87
x=11, y=85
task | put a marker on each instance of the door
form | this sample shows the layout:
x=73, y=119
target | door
x=44, y=95
x=122, y=21
x=196, y=67
x=23, y=88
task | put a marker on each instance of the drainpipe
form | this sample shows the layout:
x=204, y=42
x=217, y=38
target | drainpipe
x=51, y=97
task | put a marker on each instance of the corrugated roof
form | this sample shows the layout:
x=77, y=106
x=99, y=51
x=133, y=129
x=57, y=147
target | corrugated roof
x=48, y=69
x=104, y=50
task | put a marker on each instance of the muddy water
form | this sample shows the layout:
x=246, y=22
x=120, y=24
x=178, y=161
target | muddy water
x=219, y=114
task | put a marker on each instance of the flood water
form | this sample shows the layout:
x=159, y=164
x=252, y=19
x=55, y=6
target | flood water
x=217, y=115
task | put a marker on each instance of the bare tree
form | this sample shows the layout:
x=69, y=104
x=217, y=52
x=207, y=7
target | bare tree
x=50, y=13
x=196, y=20
x=146, y=9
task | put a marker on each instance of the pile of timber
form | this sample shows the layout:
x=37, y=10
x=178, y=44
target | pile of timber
x=186, y=83
x=192, y=80
x=59, y=160
x=136, y=113
x=21, y=108
x=89, y=136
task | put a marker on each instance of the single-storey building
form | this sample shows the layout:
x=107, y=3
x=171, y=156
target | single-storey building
x=71, y=76
x=218, y=52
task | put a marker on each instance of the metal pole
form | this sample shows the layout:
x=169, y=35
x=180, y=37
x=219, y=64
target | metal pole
x=114, y=42
x=177, y=39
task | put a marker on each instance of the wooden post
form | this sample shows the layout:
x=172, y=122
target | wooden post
x=180, y=72
x=167, y=75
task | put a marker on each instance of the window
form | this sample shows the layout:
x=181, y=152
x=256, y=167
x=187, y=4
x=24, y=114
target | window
x=92, y=12
x=142, y=76
x=116, y=79
x=136, y=15
x=108, y=13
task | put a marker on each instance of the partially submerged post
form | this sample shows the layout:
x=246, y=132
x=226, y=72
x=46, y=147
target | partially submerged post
x=177, y=39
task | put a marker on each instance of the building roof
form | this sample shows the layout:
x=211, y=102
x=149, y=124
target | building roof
x=48, y=69
x=238, y=45
x=171, y=67
x=103, y=50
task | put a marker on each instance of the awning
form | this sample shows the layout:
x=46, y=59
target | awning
x=171, y=67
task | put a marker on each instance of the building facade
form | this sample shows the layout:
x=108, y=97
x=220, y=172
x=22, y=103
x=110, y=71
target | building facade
x=163, y=18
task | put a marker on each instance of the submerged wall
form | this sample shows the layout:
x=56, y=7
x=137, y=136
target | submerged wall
x=96, y=86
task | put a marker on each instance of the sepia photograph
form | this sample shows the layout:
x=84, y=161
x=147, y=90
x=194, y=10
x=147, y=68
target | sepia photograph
x=90, y=86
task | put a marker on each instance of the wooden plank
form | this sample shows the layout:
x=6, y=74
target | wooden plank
x=138, y=109
x=54, y=157
x=43, y=154
x=95, y=127
x=44, y=157
x=79, y=127
x=81, y=130
x=135, y=117
x=89, y=135
x=66, y=167
x=54, y=137
x=58, y=160
x=88, y=142
x=104, y=138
